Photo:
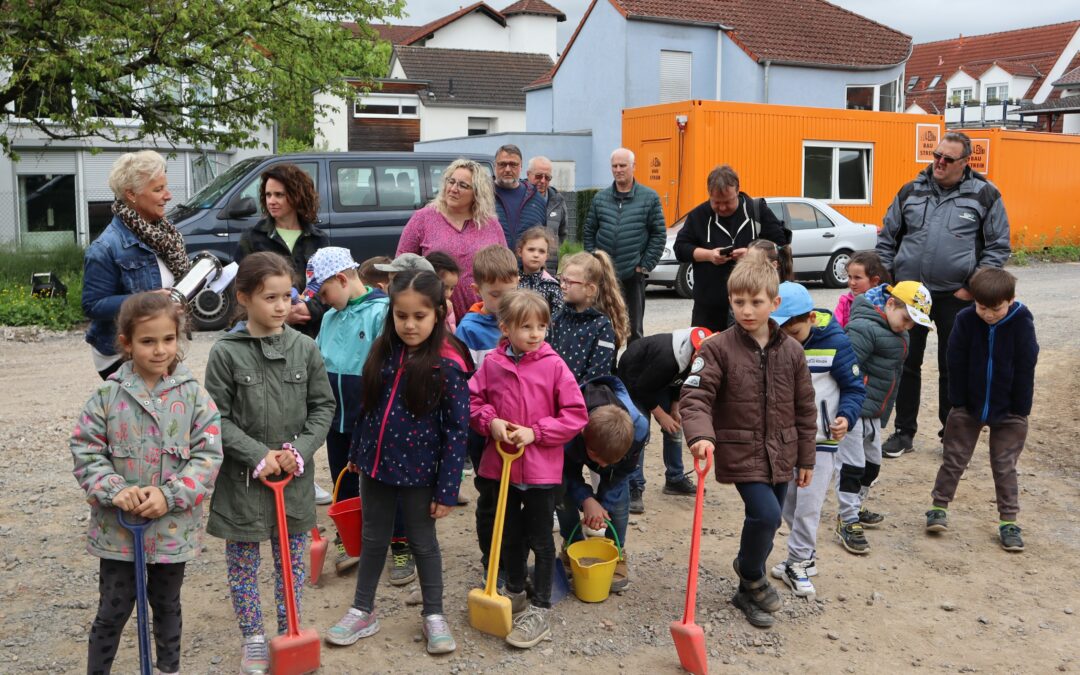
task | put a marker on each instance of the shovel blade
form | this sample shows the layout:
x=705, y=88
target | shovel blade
x=318, y=557
x=295, y=654
x=490, y=613
x=690, y=644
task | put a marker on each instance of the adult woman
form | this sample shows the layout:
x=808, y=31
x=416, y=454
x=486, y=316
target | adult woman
x=460, y=221
x=140, y=250
x=290, y=205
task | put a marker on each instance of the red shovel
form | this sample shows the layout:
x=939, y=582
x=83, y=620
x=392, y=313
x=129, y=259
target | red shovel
x=688, y=636
x=297, y=651
x=318, y=556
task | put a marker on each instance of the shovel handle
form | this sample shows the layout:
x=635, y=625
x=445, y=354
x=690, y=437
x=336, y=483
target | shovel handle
x=291, y=613
x=508, y=456
x=703, y=471
x=695, y=542
x=495, y=551
x=141, y=616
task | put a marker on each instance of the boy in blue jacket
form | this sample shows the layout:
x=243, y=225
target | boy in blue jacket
x=348, y=329
x=838, y=399
x=991, y=357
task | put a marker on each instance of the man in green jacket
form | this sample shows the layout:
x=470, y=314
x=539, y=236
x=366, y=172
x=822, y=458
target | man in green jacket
x=626, y=222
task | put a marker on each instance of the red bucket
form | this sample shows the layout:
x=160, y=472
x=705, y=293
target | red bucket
x=348, y=519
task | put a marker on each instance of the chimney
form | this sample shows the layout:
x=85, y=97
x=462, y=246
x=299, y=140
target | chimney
x=450, y=88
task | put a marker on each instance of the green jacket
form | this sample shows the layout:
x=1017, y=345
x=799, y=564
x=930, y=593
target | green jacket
x=630, y=229
x=881, y=354
x=270, y=391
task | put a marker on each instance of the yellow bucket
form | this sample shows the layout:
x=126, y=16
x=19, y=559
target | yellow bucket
x=592, y=564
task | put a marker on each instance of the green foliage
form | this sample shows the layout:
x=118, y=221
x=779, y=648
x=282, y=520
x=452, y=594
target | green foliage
x=19, y=308
x=205, y=72
x=1052, y=254
x=584, y=201
x=570, y=247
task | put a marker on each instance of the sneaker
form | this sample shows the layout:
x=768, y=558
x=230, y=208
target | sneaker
x=519, y=602
x=462, y=498
x=437, y=632
x=344, y=562
x=896, y=445
x=255, y=656
x=621, y=580
x=468, y=469
x=937, y=520
x=351, y=627
x=530, y=627
x=322, y=497
x=754, y=614
x=555, y=527
x=680, y=486
x=402, y=565
x=868, y=518
x=852, y=537
x=1010, y=537
x=796, y=577
x=637, y=504
x=810, y=567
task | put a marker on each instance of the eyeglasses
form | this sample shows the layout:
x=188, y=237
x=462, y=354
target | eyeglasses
x=542, y=176
x=939, y=157
x=508, y=165
x=563, y=281
x=462, y=185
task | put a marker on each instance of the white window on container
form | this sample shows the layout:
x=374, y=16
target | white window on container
x=838, y=172
x=479, y=126
x=675, y=78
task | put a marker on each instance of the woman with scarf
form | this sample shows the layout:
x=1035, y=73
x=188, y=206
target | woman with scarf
x=140, y=250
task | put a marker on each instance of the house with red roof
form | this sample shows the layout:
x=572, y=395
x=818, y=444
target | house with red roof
x=1013, y=78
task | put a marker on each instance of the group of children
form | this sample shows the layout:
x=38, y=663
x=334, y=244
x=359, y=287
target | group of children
x=405, y=395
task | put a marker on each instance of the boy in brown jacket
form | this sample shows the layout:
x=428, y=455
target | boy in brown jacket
x=750, y=399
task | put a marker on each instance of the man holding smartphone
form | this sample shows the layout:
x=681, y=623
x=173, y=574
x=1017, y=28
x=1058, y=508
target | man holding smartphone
x=715, y=235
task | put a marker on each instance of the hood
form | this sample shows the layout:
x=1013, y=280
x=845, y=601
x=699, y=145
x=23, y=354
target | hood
x=684, y=350
x=288, y=336
x=863, y=308
x=585, y=316
x=545, y=351
x=180, y=376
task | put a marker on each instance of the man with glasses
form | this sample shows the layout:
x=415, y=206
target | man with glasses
x=940, y=229
x=539, y=174
x=517, y=203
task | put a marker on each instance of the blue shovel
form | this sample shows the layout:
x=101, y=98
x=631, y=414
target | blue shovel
x=137, y=530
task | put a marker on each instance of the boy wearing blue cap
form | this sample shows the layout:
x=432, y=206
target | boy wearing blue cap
x=838, y=398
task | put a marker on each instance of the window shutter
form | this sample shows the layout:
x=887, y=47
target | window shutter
x=674, y=76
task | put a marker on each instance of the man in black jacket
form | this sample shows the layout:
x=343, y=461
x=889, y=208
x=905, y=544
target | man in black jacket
x=715, y=235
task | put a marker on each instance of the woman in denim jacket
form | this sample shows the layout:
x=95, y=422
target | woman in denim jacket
x=140, y=250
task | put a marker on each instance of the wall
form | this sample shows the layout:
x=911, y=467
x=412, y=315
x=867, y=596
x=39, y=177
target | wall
x=742, y=76
x=332, y=128
x=438, y=122
x=645, y=40
x=533, y=34
x=474, y=31
x=538, y=110
x=819, y=87
x=566, y=147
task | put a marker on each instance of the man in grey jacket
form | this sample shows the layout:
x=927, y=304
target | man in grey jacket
x=941, y=227
x=539, y=174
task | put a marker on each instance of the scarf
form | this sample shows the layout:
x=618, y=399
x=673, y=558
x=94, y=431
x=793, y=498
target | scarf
x=160, y=235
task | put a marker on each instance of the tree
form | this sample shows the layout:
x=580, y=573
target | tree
x=204, y=72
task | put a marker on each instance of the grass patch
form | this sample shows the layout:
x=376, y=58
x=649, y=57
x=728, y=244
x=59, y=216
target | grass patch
x=19, y=308
x=570, y=247
x=1051, y=254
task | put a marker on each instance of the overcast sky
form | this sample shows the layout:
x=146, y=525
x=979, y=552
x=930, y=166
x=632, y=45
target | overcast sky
x=923, y=20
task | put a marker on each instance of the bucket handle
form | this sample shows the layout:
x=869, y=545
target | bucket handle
x=337, y=484
x=611, y=528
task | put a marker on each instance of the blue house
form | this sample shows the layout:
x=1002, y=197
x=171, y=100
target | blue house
x=630, y=53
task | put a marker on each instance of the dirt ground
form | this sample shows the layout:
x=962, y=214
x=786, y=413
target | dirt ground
x=950, y=603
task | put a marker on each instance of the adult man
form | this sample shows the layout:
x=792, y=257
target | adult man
x=626, y=222
x=940, y=228
x=517, y=203
x=539, y=174
x=716, y=234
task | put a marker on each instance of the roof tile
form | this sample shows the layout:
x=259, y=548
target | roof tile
x=537, y=7
x=480, y=78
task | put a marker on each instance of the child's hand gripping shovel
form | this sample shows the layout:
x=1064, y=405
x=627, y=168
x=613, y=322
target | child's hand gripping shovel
x=137, y=529
x=297, y=651
x=688, y=636
x=490, y=612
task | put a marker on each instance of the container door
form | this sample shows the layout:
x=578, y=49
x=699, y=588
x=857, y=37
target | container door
x=654, y=171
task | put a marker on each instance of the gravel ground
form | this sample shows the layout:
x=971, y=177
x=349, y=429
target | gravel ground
x=950, y=604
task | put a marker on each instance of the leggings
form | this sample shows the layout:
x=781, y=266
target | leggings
x=116, y=586
x=242, y=559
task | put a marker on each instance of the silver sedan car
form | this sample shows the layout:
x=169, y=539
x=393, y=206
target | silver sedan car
x=822, y=242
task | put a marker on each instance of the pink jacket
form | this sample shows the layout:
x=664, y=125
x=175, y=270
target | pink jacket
x=843, y=309
x=539, y=391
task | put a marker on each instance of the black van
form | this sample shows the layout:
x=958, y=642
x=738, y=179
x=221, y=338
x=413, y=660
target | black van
x=365, y=199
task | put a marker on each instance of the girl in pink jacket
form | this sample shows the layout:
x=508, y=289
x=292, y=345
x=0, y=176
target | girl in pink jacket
x=524, y=394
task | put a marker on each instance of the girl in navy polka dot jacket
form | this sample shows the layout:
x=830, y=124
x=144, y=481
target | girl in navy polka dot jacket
x=409, y=445
x=593, y=325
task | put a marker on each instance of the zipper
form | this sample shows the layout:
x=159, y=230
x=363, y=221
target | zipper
x=825, y=420
x=386, y=413
x=764, y=365
x=989, y=374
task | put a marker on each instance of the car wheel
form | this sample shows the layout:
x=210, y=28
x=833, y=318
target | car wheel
x=684, y=281
x=213, y=311
x=835, y=275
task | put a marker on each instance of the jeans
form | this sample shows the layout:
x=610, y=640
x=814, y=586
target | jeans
x=764, y=504
x=943, y=313
x=528, y=527
x=633, y=292
x=614, y=497
x=673, y=448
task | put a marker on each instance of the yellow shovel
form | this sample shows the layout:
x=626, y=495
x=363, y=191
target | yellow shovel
x=490, y=612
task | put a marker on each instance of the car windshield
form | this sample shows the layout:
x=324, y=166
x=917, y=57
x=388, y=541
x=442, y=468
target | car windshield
x=208, y=196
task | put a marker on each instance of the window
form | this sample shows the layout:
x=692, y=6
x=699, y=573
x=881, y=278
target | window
x=960, y=97
x=47, y=209
x=873, y=96
x=675, y=68
x=382, y=105
x=398, y=186
x=933, y=82
x=99, y=215
x=355, y=186
x=912, y=81
x=837, y=172
x=778, y=211
x=801, y=216
x=860, y=98
x=435, y=172
x=996, y=93
x=479, y=126
x=252, y=188
x=887, y=97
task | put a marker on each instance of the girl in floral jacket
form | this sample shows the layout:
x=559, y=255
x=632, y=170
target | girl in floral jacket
x=148, y=442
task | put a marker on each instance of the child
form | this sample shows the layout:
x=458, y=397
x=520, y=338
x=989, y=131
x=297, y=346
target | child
x=147, y=442
x=593, y=325
x=532, y=248
x=609, y=447
x=838, y=399
x=349, y=327
x=992, y=354
x=779, y=257
x=525, y=395
x=749, y=397
x=270, y=384
x=653, y=369
x=865, y=271
x=495, y=274
x=372, y=277
x=409, y=447
x=449, y=274
x=878, y=330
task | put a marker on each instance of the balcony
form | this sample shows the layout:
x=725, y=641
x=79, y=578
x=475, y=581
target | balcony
x=989, y=114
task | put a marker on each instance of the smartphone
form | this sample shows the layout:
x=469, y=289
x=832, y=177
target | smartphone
x=726, y=250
